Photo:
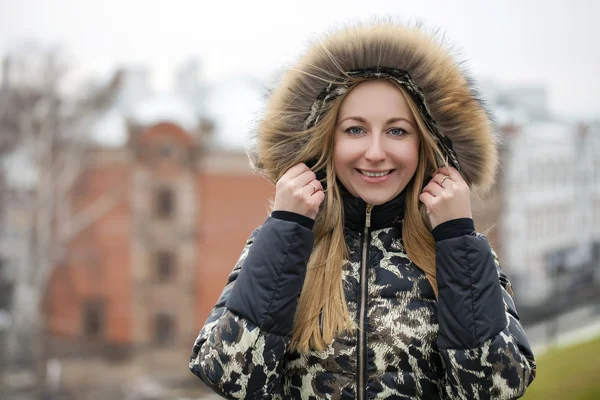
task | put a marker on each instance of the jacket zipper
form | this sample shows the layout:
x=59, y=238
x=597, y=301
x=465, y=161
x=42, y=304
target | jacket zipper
x=363, y=303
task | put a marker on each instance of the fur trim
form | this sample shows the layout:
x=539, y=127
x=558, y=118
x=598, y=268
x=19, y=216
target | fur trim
x=450, y=93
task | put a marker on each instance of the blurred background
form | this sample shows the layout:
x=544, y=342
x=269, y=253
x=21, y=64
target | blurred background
x=126, y=194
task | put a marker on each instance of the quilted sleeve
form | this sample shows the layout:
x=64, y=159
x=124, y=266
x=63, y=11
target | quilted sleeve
x=484, y=349
x=239, y=351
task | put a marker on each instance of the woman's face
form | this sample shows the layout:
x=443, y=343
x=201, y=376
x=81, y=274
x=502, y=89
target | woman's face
x=376, y=142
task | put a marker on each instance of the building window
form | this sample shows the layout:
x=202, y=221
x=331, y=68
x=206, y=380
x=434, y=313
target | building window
x=165, y=203
x=93, y=319
x=165, y=150
x=165, y=265
x=164, y=329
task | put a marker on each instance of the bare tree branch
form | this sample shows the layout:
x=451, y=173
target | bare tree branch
x=91, y=214
x=52, y=127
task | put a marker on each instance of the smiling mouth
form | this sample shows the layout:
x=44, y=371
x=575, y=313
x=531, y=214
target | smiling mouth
x=375, y=174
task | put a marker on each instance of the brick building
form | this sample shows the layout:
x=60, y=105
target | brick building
x=137, y=285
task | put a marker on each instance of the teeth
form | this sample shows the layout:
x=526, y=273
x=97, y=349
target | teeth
x=374, y=174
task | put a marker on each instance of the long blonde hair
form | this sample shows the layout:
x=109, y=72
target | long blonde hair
x=322, y=312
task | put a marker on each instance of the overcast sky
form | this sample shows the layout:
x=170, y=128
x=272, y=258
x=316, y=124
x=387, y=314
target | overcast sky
x=550, y=42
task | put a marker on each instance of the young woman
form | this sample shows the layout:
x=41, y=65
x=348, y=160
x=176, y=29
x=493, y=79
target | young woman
x=368, y=279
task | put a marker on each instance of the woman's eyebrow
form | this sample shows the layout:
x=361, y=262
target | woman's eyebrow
x=359, y=119
x=396, y=119
x=389, y=121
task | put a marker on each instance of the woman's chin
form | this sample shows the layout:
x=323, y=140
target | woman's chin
x=376, y=199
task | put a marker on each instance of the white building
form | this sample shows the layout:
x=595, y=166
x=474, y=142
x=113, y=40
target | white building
x=550, y=223
x=594, y=149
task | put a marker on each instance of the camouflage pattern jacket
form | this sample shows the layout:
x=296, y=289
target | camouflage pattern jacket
x=467, y=344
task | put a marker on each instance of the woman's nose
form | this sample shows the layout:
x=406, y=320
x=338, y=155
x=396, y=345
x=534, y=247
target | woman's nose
x=375, y=151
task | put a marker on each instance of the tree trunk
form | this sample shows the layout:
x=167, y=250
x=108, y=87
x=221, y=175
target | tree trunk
x=23, y=357
x=22, y=339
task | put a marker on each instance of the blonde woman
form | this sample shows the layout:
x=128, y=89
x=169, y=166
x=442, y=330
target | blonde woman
x=368, y=279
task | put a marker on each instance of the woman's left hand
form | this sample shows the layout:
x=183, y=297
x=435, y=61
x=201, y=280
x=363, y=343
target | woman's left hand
x=447, y=196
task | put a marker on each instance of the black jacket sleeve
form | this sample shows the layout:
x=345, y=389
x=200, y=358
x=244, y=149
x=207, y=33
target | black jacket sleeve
x=483, y=346
x=240, y=349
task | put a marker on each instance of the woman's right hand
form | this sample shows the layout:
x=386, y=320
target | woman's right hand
x=299, y=191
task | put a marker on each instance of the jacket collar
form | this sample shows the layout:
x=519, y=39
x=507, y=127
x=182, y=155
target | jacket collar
x=382, y=216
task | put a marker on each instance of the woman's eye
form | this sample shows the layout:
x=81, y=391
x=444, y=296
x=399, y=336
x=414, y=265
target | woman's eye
x=354, y=130
x=397, y=132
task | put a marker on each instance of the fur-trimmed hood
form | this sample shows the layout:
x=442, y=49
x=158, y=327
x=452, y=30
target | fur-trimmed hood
x=449, y=93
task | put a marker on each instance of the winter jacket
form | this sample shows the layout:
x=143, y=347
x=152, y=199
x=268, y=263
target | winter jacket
x=467, y=344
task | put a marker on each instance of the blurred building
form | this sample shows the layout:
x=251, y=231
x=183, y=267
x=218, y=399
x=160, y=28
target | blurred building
x=124, y=306
x=550, y=207
x=594, y=139
x=138, y=284
x=544, y=212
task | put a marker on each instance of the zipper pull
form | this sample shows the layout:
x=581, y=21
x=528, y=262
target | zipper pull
x=368, y=220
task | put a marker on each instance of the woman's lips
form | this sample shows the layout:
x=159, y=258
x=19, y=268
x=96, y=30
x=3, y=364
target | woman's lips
x=375, y=179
